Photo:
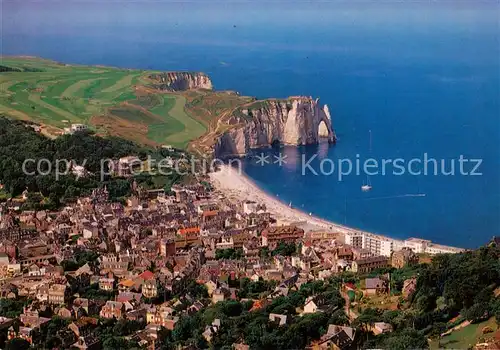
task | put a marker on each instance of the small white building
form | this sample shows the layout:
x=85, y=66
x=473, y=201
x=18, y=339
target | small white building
x=75, y=128
x=310, y=306
x=418, y=245
x=250, y=207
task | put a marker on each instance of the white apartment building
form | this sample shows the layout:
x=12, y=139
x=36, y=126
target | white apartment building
x=441, y=249
x=354, y=239
x=425, y=246
x=378, y=245
x=417, y=245
x=375, y=244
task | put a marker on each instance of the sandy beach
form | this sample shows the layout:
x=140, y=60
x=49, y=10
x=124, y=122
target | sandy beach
x=238, y=186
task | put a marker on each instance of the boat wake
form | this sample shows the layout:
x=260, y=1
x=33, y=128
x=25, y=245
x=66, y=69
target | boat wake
x=398, y=196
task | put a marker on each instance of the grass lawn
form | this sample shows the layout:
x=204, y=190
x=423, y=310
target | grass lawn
x=178, y=127
x=4, y=195
x=465, y=337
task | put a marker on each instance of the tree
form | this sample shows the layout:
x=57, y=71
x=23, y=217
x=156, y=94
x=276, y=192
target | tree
x=406, y=339
x=477, y=313
x=11, y=308
x=368, y=317
x=229, y=253
x=197, y=290
x=285, y=249
x=17, y=344
x=339, y=318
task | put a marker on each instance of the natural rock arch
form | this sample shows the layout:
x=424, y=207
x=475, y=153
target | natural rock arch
x=295, y=121
x=323, y=130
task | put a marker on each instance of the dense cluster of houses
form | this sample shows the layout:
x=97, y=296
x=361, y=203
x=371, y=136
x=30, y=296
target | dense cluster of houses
x=152, y=248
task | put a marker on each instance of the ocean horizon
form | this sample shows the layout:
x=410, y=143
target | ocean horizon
x=421, y=78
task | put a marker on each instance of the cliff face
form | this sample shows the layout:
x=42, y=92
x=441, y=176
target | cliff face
x=294, y=121
x=180, y=81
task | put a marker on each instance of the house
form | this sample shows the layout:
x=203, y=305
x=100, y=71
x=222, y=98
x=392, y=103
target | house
x=184, y=231
x=88, y=342
x=278, y=318
x=250, y=207
x=310, y=306
x=162, y=316
x=34, y=270
x=211, y=287
x=361, y=253
x=113, y=309
x=5, y=322
x=251, y=248
x=127, y=285
x=375, y=286
x=129, y=299
x=64, y=312
x=276, y=234
x=167, y=247
x=150, y=288
x=90, y=231
x=273, y=275
x=344, y=253
x=403, y=257
x=85, y=305
x=381, y=327
x=169, y=322
x=32, y=322
x=147, y=275
x=77, y=127
x=52, y=271
x=83, y=325
x=106, y=283
x=197, y=306
x=369, y=264
x=211, y=330
x=9, y=291
x=338, y=337
x=57, y=294
x=220, y=294
x=138, y=315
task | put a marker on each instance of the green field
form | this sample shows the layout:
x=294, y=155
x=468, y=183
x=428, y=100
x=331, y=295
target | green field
x=466, y=337
x=111, y=101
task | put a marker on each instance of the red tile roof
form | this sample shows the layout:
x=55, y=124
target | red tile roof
x=147, y=275
x=183, y=231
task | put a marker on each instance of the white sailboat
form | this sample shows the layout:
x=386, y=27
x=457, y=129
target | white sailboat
x=367, y=187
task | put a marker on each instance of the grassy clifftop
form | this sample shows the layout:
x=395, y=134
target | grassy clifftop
x=112, y=101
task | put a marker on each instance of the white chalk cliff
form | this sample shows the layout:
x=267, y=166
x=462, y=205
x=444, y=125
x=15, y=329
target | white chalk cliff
x=180, y=81
x=293, y=121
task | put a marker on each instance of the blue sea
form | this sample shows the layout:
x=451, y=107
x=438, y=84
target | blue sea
x=421, y=77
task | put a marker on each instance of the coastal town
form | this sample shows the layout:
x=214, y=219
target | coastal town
x=102, y=274
x=249, y=175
